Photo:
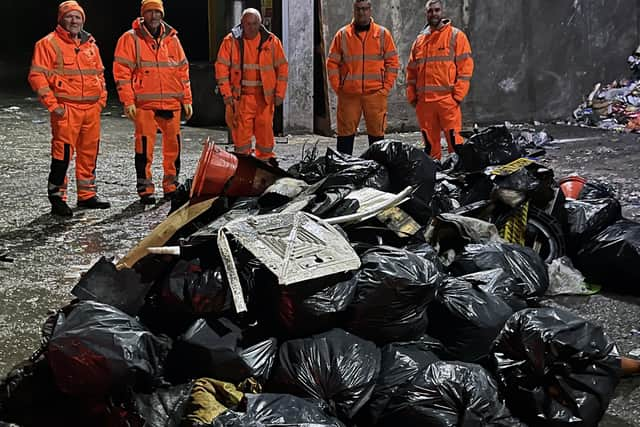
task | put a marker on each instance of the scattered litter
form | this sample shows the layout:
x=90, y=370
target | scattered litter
x=615, y=106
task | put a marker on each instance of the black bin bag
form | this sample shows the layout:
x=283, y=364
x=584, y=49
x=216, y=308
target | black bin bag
x=96, y=349
x=555, y=368
x=466, y=319
x=612, y=258
x=336, y=367
x=164, y=407
x=394, y=287
x=449, y=394
x=586, y=218
x=408, y=166
x=213, y=349
x=501, y=284
x=520, y=262
x=491, y=146
x=262, y=410
x=400, y=363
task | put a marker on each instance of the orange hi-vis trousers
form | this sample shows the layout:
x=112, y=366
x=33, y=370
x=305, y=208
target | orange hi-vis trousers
x=434, y=117
x=352, y=106
x=252, y=116
x=78, y=130
x=147, y=123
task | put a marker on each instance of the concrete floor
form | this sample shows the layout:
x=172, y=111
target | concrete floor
x=51, y=253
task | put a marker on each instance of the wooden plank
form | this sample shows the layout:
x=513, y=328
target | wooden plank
x=164, y=231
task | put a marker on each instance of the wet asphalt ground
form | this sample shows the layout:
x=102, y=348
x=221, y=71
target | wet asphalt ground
x=50, y=253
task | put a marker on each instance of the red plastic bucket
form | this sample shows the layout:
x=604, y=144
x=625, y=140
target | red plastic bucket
x=215, y=168
x=571, y=186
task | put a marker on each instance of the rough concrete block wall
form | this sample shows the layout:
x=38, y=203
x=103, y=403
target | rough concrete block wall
x=299, y=49
x=535, y=59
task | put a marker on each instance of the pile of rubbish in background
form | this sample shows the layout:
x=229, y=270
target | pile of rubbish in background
x=615, y=106
x=378, y=290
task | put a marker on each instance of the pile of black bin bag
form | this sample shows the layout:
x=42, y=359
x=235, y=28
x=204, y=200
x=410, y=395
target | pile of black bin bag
x=407, y=339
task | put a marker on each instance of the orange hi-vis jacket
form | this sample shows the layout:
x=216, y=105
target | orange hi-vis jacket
x=151, y=73
x=272, y=66
x=440, y=65
x=362, y=65
x=66, y=70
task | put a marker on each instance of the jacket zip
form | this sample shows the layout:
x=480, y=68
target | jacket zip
x=156, y=47
x=363, y=41
x=77, y=51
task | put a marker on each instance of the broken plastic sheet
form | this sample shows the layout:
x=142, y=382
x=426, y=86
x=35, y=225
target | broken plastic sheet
x=446, y=394
x=336, y=367
x=555, y=368
x=295, y=247
x=370, y=202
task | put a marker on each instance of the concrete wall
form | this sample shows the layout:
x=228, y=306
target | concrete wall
x=535, y=59
x=298, y=45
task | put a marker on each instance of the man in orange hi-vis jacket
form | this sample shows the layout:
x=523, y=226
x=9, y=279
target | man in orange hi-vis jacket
x=362, y=68
x=251, y=72
x=68, y=75
x=152, y=77
x=438, y=78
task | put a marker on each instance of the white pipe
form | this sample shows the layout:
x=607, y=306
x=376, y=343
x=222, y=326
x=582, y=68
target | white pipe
x=164, y=250
x=285, y=45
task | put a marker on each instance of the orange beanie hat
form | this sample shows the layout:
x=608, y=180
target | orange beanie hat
x=69, y=6
x=151, y=5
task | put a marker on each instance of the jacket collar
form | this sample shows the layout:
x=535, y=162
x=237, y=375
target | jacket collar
x=443, y=24
x=374, y=29
x=264, y=33
x=83, y=36
x=165, y=29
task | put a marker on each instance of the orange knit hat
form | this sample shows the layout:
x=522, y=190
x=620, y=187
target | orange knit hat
x=69, y=6
x=151, y=5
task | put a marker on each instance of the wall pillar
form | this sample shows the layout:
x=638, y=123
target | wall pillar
x=297, y=38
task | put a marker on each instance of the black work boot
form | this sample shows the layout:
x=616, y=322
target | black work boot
x=345, y=144
x=373, y=139
x=59, y=207
x=94, y=203
x=148, y=200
